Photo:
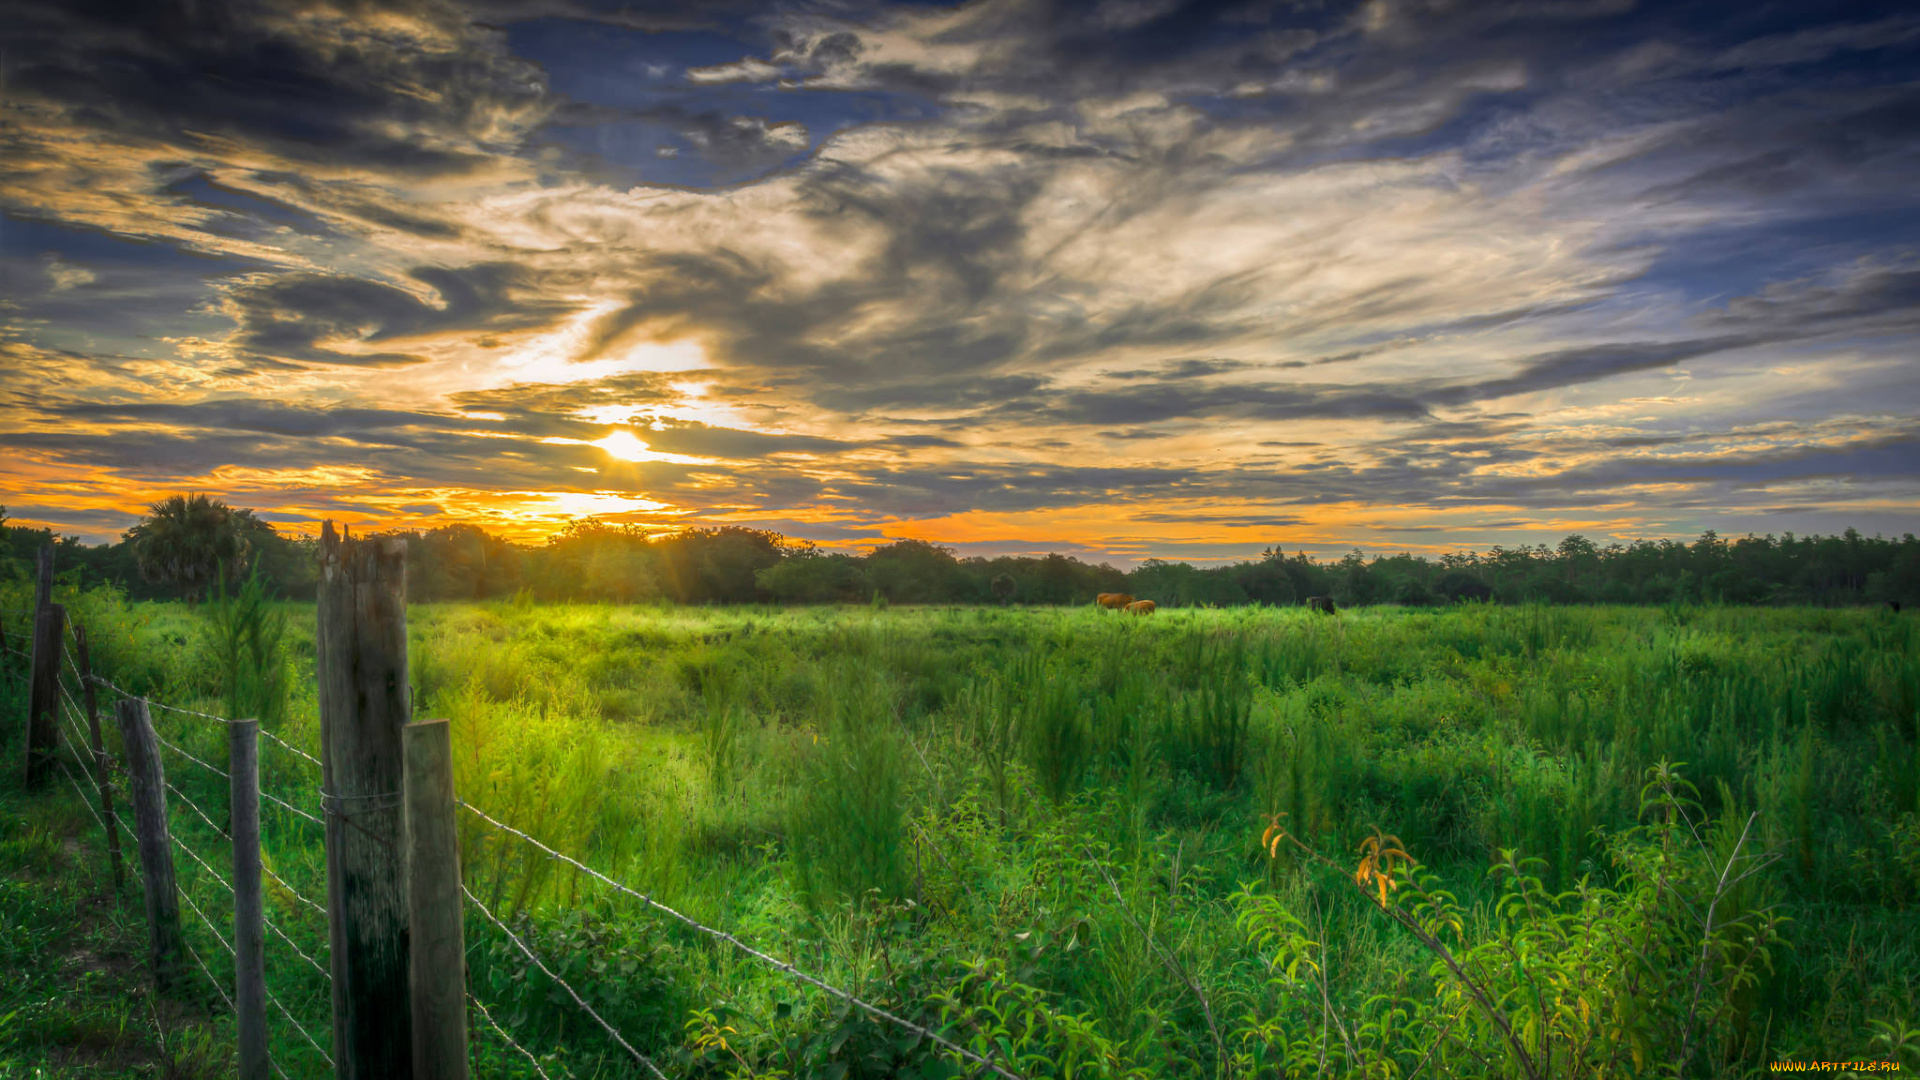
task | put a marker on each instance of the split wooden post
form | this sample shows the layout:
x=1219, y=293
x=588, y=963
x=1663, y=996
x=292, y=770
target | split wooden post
x=43, y=696
x=437, y=943
x=102, y=766
x=149, y=796
x=249, y=919
x=364, y=702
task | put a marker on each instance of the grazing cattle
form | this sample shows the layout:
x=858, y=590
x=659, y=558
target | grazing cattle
x=1113, y=601
x=1140, y=607
x=1322, y=604
x=1895, y=605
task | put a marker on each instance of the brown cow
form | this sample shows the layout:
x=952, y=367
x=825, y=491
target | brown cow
x=1322, y=604
x=1140, y=607
x=1113, y=601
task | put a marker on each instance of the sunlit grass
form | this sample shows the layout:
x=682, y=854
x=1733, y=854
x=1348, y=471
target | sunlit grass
x=888, y=795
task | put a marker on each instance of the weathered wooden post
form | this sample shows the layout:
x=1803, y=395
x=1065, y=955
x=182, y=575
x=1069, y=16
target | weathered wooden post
x=102, y=766
x=364, y=702
x=437, y=942
x=149, y=796
x=43, y=695
x=249, y=919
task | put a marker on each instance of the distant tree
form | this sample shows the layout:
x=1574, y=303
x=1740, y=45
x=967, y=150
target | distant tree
x=815, y=579
x=718, y=564
x=624, y=573
x=1460, y=585
x=189, y=540
x=915, y=571
x=1353, y=581
x=1264, y=582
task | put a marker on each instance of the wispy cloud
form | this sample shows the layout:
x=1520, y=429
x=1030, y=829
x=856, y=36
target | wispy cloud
x=1219, y=272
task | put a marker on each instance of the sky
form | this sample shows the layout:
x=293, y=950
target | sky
x=1118, y=279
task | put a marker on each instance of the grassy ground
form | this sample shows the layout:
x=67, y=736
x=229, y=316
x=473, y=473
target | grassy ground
x=1103, y=846
x=75, y=999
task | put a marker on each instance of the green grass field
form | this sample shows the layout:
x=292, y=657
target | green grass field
x=1641, y=840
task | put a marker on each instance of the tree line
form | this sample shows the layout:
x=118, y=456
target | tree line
x=187, y=546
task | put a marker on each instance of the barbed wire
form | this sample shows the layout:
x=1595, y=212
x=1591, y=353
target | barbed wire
x=571, y=992
x=721, y=935
x=215, y=875
x=495, y=1025
x=82, y=794
x=69, y=728
x=265, y=794
x=215, y=769
x=289, y=807
x=231, y=951
x=289, y=747
x=645, y=898
x=295, y=893
x=195, y=856
x=101, y=680
x=301, y=1028
x=297, y=951
x=164, y=707
x=211, y=718
x=217, y=988
x=195, y=807
x=64, y=693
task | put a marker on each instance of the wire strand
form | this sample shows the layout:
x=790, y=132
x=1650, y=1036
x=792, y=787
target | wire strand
x=287, y=746
x=577, y=999
x=721, y=935
x=210, y=768
x=191, y=854
x=495, y=1025
x=82, y=794
x=290, y=808
x=301, y=1028
x=295, y=893
x=224, y=943
x=297, y=951
x=217, y=988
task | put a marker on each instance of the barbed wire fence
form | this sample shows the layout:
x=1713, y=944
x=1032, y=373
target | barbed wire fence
x=304, y=979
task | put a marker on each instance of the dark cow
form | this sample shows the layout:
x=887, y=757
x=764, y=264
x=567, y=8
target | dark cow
x=1894, y=605
x=1322, y=604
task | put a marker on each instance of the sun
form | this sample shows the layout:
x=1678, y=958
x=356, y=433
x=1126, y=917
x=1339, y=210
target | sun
x=625, y=446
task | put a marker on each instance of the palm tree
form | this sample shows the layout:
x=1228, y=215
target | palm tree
x=188, y=539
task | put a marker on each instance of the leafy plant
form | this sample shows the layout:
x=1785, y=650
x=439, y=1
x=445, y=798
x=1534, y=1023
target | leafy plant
x=246, y=633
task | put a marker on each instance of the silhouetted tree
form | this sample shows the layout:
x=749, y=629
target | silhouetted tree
x=189, y=540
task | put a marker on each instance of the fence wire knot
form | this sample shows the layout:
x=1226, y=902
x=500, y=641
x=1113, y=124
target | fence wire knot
x=351, y=805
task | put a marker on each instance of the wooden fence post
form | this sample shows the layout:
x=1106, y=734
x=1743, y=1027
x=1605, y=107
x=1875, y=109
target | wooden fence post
x=249, y=927
x=43, y=696
x=149, y=797
x=102, y=765
x=364, y=702
x=437, y=946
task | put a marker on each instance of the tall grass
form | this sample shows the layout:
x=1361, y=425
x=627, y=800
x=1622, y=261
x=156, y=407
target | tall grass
x=1060, y=808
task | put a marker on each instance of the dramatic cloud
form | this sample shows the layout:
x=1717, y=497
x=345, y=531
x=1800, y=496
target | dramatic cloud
x=1124, y=278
